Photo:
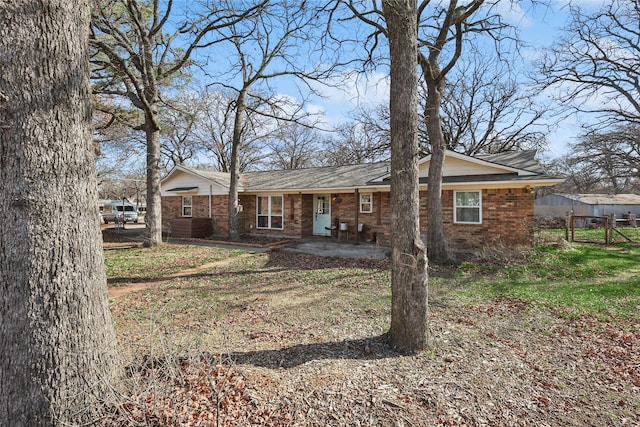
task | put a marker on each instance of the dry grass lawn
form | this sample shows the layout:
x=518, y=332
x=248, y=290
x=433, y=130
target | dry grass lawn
x=297, y=340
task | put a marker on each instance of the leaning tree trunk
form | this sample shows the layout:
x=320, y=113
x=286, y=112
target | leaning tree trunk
x=408, y=330
x=435, y=229
x=58, y=355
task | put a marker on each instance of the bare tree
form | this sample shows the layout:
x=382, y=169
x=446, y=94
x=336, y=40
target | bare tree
x=137, y=49
x=579, y=177
x=442, y=27
x=356, y=142
x=118, y=146
x=178, y=120
x=446, y=24
x=293, y=146
x=603, y=161
x=58, y=349
x=486, y=109
x=215, y=125
x=408, y=331
x=266, y=47
x=365, y=138
x=594, y=68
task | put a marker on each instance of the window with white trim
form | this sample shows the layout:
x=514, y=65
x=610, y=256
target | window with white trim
x=366, y=203
x=187, y=206
x=467, y=207
x=269, y=212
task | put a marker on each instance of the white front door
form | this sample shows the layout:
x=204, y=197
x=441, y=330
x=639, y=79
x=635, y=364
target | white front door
x=322, y=215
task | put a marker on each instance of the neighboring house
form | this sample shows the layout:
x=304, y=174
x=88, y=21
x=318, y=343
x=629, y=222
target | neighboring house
x=558, y=205
x=485, y=200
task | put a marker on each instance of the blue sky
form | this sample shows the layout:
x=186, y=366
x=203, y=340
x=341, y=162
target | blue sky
x=542, y=26
x=539, y=26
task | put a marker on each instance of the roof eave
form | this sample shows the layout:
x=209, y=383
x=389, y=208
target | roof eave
x=376, y=185
x=514, y=183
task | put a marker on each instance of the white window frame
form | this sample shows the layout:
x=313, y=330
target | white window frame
x=189, y=206
x=269, y=214
x=369, y=202
x=455, y=207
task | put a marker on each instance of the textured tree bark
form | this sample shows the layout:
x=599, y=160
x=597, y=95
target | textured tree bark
x=57, y=343
x=408, y=331
x=153, y=216
x=234, y=228
x=437, y=247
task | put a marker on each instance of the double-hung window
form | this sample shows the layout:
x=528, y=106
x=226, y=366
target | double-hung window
x=467, y=207
x=187, y=206
x=269, y=212
x=366, y=203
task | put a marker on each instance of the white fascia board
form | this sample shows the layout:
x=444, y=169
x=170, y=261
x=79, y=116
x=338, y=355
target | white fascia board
x=499, y=184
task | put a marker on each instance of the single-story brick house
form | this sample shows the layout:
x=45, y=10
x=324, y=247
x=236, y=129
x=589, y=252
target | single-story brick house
x=486, y=199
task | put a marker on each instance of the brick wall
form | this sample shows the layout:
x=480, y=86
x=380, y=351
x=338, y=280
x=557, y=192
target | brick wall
x=295, y=223
x=172, y=208
x=220, y=215
x=306, y=214
x=507, y=219
x=377, y=221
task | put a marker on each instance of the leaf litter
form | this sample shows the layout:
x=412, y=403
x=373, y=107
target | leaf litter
x=319, y=357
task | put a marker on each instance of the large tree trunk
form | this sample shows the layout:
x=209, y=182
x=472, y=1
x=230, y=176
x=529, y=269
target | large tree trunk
x=234, y=228
x=408, y=330
x=153, y=217
x=435, y=229
x=58, y=355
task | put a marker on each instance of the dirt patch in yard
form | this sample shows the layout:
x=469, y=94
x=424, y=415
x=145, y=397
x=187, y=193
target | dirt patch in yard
x=115, y=292
x=296, y=340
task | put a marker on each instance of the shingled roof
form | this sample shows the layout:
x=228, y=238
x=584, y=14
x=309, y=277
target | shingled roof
x=518, y=166
x=330, y=177
x=525, y=160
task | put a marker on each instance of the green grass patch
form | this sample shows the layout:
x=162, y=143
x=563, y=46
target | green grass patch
x=581, y=278
x=590, y=279
x=598, y=234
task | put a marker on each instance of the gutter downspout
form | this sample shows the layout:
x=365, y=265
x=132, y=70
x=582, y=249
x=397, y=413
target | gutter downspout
x=210, y=191
x=357, y=196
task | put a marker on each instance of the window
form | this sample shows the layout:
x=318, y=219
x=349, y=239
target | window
x=269, y=212
x=366, y=203
x=322, y=206
x=187, y=206
x=467, y=207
